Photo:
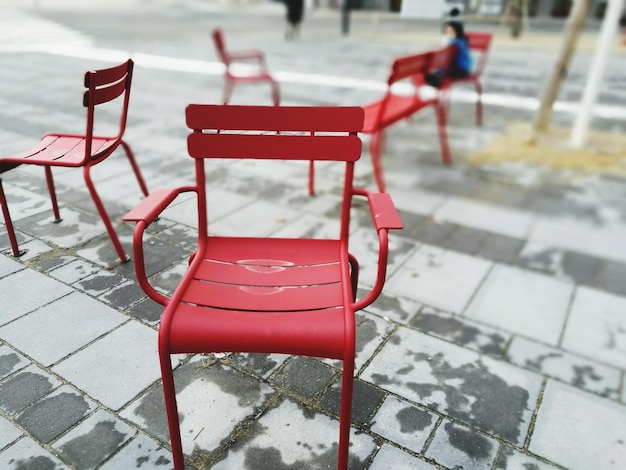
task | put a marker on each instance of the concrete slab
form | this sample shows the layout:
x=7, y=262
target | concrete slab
x=131, y=365
x=62, y=327
x=26, y=453
x=392, y=457
x=576, y=431
x=457, y=382
x=597, y=326
x=523, y=302
x=143, y=453
x=438, y=278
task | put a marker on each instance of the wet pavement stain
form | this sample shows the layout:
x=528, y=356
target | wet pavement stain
x=271, y=459
x=413, y=419
x=474, y=445
x=88, y=450
x=23, y=389
x=35, y=463
x=475, y=395
x=7, y=363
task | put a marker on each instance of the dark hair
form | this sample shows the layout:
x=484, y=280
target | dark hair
x=455, y=12
x=457, y=26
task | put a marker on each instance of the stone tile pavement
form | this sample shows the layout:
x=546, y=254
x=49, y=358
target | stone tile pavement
x=499, y=341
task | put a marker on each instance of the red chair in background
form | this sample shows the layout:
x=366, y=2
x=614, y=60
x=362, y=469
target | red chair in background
x=82, y=150
x=266, y=295
x=479, y=44
x=255, y=59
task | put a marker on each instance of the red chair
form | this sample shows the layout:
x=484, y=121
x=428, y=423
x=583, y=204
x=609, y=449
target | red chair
x=82, y=150
x=282, y=295
x=259, y=72
x=479, y=43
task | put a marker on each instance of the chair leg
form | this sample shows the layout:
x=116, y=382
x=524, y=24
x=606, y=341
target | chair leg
x=345, y=414
x=171, y=409
x=136, y=170
x=9, y=224
x=105, y=216
x=375, y=151
x=228, y=90
x=479, y=104
x=311, y=178
x=53, y=194
x=443, y=133
x=275, y=93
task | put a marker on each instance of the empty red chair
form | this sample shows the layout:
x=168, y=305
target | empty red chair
x=266, y=295
x=255, y=59
x=82, y=150
x=479, y=44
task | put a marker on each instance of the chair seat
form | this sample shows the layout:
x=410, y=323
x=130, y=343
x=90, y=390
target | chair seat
x=64, y=150
x=279, y=295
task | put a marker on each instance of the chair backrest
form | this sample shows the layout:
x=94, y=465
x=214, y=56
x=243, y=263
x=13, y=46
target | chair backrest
x=220, y=46
x=326, y=133
x=441, y=59
x=105, y=86
x=480, y=43
x=409, y=67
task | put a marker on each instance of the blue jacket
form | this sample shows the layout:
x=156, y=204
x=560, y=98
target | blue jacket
x=462, y=59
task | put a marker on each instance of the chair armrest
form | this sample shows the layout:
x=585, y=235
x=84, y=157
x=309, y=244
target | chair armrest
x=248, y=55
x=144, y=214
x=385, y=218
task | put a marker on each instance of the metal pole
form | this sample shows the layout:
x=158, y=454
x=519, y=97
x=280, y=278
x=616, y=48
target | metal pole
x=345, y=17
x=606, y=38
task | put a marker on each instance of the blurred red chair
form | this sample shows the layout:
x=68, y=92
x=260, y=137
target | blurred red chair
x=82, y=150
x=479, y=44
x=255, y=59
x=264, y=295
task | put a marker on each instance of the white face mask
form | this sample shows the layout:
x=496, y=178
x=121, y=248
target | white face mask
x=445, y=39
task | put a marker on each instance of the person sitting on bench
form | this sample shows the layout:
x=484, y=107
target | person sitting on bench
x=461, y=64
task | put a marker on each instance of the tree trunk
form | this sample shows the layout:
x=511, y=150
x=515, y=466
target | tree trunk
x=553, y=85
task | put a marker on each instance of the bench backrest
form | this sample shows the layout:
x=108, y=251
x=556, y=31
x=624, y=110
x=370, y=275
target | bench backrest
x=409, y=67
x=479, y=43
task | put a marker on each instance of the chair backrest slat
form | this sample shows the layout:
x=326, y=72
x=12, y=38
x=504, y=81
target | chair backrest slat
x=105, y=93
x=480, y=42
x=409, y=66
x=109, y=75
x=283, y=118
x=275, y=147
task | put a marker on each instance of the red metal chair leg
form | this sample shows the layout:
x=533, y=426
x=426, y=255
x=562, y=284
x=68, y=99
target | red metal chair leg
x=479, y=104
x=311, y=178
x=375, y=151
x=443, y=133
x=345, y=414
x=136, y=170
x=9, y=224
x=105, y=217
x=171, y=409
x=53, y=194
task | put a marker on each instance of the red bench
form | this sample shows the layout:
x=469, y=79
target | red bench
x=397, y=105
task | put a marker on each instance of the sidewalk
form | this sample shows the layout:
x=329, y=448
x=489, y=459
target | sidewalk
x=499, y=341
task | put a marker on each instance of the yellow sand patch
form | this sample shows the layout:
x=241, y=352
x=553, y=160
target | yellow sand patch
x=603, y=153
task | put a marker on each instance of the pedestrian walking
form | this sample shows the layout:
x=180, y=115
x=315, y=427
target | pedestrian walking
x=295, y=12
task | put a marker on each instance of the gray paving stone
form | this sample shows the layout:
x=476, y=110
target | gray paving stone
x=24, y=388
x=61, y=327
x=262, y=365
x=523, y=302
x=142, y=453
x=147, y=311
x=73, y=271
x=434, y=232
x=612, y=276
x=303, y=376
x=99, y=282
x=51, y=263
x=483, y=216
x=131, y=365
x=576, y=431
x=8, y=433
x=365, y=400
x=456, y=446
x=289, y=435
x=94, y=440
x=404, y=423
x=18, y=297
x=501, y=248
x=583, y=269
x=512, y=459
x=392, y=457
x=438, y=278
x=466, y=240
x=10, y=361
x=542, y=258
x=9, y=266
x=54, y=414
x=596, y=327
x=461, y=331
x=123, y=295
x=394, y=308
x=27, y=454
x=457, y=382
x=212, y=401
x=562, y=365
